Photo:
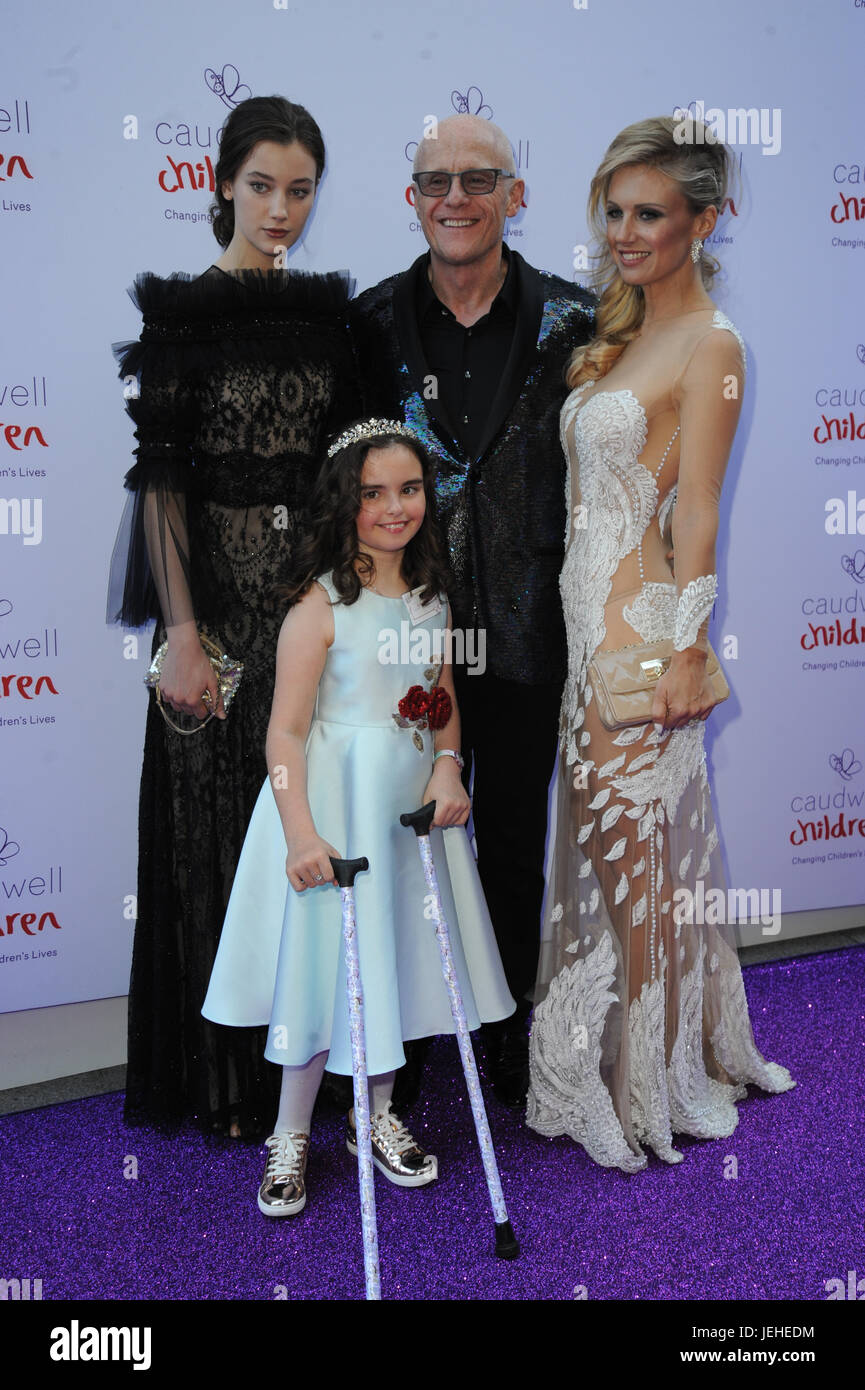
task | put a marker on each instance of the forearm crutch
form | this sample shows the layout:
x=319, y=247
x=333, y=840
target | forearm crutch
x=345, y=871
x=507, y=1245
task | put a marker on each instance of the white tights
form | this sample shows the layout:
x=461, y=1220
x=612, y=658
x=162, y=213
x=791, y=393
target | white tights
x=300, y=1088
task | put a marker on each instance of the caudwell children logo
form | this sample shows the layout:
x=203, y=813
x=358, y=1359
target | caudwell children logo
x=471, y=103
x=190, y=147
x=8, y=848
x=854, y=565
x=846, y=764
x=849, y=206
x=16, y=165
x=836, y=621
x=227, y=85
x=24, y=681
x=842, y=416
x=830, y=824
x=841, y=617
x=27, y=902
x=17, y=434
x=468, y=103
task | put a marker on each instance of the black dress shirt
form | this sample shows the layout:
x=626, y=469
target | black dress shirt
x=501, y=506
x=467, y=364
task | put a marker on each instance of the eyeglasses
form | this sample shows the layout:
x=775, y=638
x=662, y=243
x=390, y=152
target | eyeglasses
x=436, y=183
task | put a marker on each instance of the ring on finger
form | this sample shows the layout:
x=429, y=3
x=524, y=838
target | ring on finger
x=319, y=878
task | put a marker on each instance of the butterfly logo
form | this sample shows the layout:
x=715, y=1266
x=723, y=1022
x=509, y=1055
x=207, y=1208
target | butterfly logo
x=695, y=111
x=471, y=104
x=847, y=765
x=5, y=607
x=854, y=565
x=227, y=85
x=8, y=848
x=860, y=352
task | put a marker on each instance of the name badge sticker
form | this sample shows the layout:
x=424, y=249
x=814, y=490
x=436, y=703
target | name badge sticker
x=419, y=612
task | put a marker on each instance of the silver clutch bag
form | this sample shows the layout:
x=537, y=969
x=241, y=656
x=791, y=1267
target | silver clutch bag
x=228, y=674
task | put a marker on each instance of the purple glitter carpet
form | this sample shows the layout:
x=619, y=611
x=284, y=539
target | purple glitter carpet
x=188, y=1228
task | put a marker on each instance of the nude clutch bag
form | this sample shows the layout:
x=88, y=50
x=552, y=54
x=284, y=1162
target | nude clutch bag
x=623, y=681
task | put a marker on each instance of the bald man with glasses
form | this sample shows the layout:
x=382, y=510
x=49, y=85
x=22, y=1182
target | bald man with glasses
x=468, y=346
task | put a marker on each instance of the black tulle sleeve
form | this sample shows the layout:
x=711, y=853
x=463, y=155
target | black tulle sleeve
x=150, y=566
x=233, y=388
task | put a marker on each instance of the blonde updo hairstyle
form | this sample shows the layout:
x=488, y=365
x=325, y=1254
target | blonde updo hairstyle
x=701, y=166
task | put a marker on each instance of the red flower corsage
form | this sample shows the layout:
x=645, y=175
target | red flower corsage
x=440, y=708
x=415, y=704
x=424, y=710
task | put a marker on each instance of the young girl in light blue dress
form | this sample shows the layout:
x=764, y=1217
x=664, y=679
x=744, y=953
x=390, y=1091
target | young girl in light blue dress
x=364, y=726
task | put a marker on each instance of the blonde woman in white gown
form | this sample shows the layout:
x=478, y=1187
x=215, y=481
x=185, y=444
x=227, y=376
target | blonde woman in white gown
x=641, y=1026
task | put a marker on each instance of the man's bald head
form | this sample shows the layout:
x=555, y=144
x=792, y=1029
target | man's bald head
x=464, y=231
x=475, y=142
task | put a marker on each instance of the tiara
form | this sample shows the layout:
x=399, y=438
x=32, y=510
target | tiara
x=369, y=429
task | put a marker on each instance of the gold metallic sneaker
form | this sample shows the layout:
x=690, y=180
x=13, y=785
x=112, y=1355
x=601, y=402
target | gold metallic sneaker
x=283, y=1191
x=394, y=1152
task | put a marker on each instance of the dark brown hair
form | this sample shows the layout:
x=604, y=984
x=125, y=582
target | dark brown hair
x=331, y=542
x=259, y=118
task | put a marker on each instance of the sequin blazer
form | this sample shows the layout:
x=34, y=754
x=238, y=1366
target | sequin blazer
x=503, y=512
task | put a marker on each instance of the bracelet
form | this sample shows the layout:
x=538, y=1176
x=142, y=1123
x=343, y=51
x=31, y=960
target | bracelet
x=450, y=753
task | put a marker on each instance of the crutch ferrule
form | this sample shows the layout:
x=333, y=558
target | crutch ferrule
x=507, y=1245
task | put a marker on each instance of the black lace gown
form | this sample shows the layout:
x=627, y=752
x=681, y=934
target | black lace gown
x=239, y=380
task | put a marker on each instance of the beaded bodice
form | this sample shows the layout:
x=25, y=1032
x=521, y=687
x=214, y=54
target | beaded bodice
x=613, y=498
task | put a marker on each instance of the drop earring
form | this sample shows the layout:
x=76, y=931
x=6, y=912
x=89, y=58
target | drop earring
x=696, y=249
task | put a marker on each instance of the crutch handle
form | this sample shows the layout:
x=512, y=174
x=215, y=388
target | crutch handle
x=420, y=820
x=347, y=869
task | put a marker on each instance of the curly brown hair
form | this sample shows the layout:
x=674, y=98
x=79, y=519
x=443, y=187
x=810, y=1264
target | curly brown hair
x=331, y=542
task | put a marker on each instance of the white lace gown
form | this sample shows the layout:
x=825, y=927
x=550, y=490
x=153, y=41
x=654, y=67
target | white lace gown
x=641, y=1026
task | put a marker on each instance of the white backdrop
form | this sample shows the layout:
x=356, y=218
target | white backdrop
x=99, y=106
